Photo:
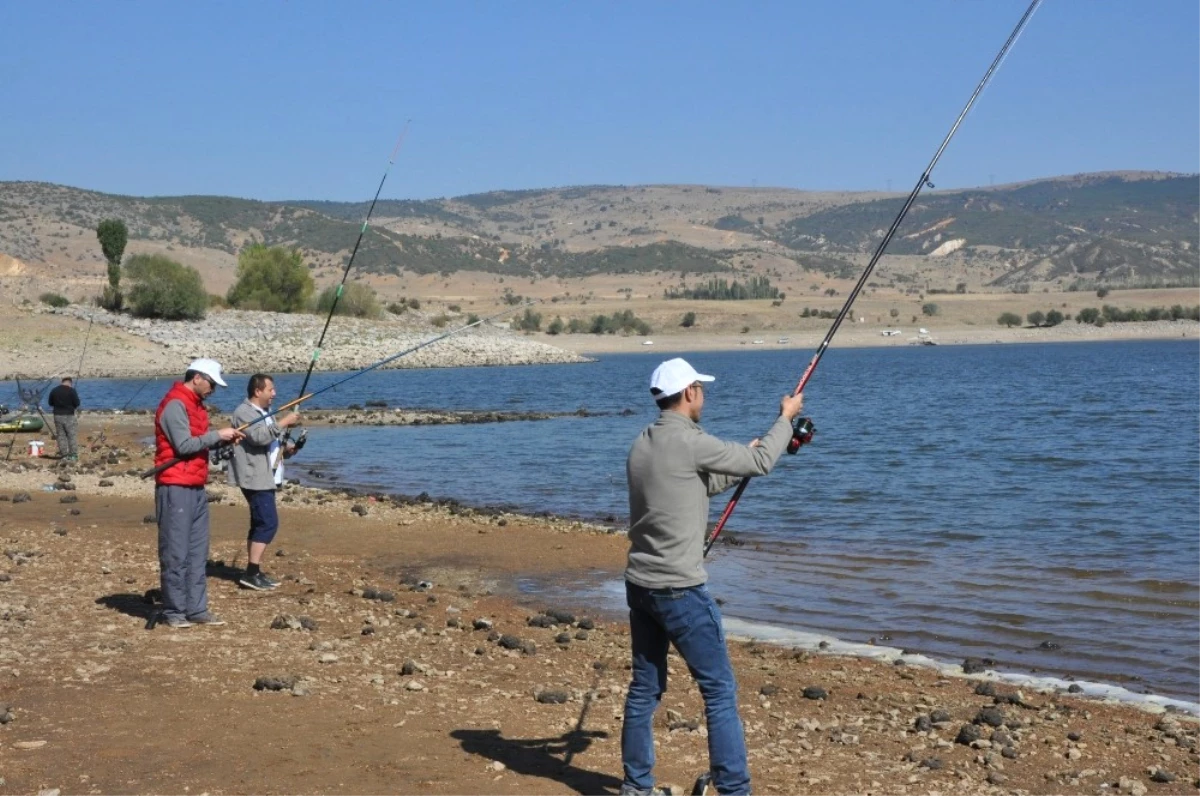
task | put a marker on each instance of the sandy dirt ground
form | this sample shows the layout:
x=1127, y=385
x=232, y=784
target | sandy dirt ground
x=401, y=655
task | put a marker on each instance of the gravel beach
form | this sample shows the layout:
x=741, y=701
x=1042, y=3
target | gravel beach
x=399, y=656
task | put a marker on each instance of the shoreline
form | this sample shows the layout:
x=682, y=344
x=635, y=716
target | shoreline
x=44, y=343
x=851, y=337
x=403, y=683
x=328, y=484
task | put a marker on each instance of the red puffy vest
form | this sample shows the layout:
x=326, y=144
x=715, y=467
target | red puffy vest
x=191, y=470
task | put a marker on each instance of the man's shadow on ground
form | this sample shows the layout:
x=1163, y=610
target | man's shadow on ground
x=549, y=758
x=136, y=605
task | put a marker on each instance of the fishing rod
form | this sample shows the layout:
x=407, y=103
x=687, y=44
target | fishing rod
x=82, y=354
x=350, y=263
x=802, y=430
x=159, y=468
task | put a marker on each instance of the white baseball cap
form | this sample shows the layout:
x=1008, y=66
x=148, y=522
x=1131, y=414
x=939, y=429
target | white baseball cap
x=673, y=376
x=210, y=368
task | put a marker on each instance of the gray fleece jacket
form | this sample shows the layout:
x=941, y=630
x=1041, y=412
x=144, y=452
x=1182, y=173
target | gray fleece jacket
x=250, y=467
x=673, y=469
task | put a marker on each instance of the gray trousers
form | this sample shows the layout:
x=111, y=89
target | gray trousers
x=182, y=548
x=66, y=434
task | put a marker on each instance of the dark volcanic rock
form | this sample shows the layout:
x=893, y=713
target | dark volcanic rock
x=968, y=734
x=815, y=692
x=274, y=683
x=973, y=666
x=562, y=617
x=993, y=717
x=551, y=697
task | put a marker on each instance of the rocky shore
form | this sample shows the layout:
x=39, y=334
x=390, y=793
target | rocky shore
x=246, y=342
x=401, y=656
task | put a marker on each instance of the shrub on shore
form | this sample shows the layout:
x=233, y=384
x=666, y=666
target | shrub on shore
x=1009, y=319
x=358, y=300
x=163, y=288
x=271, y=278
x=1111, y=314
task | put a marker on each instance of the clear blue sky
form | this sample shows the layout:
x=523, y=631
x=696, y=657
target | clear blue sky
x=275, y=99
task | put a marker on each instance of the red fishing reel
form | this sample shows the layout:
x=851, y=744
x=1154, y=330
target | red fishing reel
x=802, y=434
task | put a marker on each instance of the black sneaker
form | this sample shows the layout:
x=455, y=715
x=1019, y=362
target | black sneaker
x=256, y=581
x=206, y=618
x=270, y=581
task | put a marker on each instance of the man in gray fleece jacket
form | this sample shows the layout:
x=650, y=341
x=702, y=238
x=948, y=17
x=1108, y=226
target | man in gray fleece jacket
x=673, y=469
x=257, y=468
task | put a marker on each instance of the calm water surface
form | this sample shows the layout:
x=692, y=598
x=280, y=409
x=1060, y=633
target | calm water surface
x=1037, y=504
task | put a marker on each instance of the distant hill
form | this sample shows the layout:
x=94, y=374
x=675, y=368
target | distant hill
x=1118, y=228
x=1112, y=229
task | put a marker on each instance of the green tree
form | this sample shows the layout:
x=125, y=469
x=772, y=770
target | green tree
x=1009, y=319
x=54, y=299
x=1054, y=318
x=358, y=300
x=163, y=288
x=689, y=320
x=929, y=309
x=1036, y=318
x=529, y=322
x=1087, y=315
x=271, y=278
x=113, y=236
x=895, y=313
x=556, y=326
x=1102, y=292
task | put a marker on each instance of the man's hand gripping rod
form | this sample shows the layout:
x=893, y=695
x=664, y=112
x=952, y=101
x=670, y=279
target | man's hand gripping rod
x=802, y=433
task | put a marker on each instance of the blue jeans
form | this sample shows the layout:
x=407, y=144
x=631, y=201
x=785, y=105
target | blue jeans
x=689, y=619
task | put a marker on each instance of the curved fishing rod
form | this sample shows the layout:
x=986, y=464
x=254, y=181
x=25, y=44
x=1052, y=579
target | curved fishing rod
x=354, y=375
x=350, y=263
x=803, y=429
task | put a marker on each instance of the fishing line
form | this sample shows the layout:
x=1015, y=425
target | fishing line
x=354, y=375
x=802, y=435
x=82, y=354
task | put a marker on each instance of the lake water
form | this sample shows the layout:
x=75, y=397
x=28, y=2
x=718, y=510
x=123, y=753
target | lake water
x=1035, y=504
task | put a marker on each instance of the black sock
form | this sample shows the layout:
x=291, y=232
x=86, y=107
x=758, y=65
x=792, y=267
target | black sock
x=252, y=569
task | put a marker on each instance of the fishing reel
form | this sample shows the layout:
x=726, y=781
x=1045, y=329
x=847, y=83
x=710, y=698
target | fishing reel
x=802, y=434
x=300, y=441
x=221, y=453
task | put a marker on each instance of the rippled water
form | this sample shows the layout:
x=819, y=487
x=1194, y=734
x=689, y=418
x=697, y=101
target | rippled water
x=1037, y=504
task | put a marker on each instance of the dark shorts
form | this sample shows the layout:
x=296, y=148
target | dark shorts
x=264, y=519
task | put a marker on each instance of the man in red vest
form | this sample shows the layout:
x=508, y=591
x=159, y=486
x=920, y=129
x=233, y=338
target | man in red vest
x=181, y=504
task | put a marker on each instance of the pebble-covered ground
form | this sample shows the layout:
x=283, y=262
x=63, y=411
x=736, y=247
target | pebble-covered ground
x=399, y=656
x=247, y=342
